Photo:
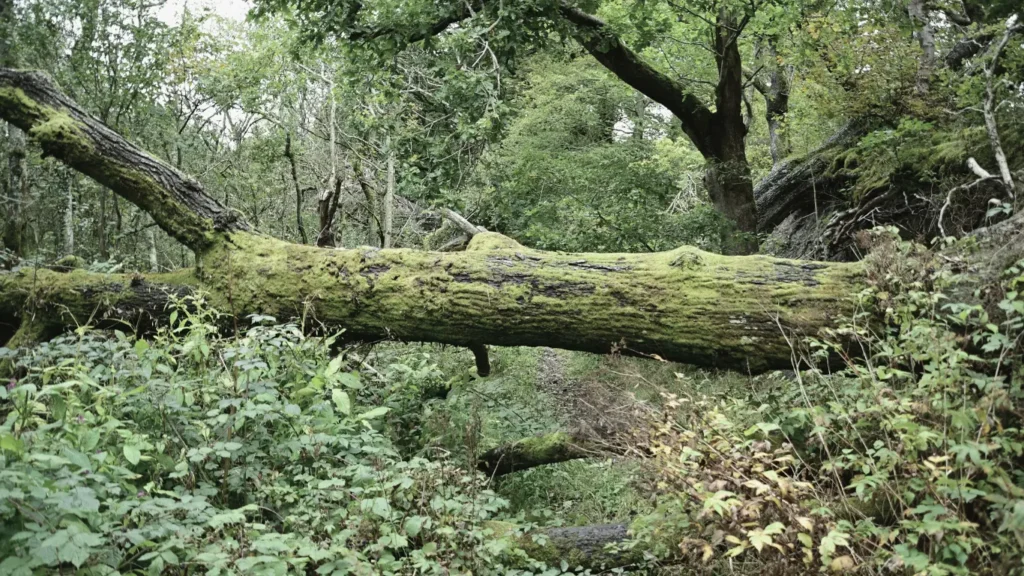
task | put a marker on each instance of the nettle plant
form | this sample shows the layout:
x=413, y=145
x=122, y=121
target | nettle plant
x=905, y=458
x=201, y=454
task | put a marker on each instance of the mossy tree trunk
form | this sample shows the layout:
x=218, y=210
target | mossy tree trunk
x=684, y=305
x=737, y=312
x=535, y=451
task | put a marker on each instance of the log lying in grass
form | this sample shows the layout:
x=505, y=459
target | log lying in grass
x=595, y=547
x=683, y=305
x=532, y=452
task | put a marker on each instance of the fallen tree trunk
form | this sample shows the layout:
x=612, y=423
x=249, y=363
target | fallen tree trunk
x=532, y=452
x=685, y=305
x=803, y=184
x=596, y=547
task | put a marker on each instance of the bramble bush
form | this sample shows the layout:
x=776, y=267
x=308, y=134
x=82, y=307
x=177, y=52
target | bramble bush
x=196, y=453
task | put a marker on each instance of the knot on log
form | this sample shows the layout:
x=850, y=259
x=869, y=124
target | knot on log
x=492, y=241
x=687, y=259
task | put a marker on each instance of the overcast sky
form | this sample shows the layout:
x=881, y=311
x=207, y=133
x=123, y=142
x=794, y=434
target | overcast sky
x=233, y=9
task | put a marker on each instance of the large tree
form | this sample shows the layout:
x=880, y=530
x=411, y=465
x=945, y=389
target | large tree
x=684, y=304
x=715, y=125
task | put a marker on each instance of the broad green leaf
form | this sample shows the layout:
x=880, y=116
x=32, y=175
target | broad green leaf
x=375, y=413
x=341, y=401
x=132, y=454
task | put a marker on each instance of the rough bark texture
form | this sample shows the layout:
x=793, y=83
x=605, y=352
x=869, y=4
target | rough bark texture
x=683, y=305
x=775, y=90
x=290, y=155
x=69, y=213
x=794, y=186
x=14, y=186
x=327, y=206
x=597, y=547
x=32, y=102
x=925, y=34
x=35, y=300
x=15, y=189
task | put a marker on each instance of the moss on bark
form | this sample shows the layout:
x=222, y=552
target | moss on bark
x=684, y=305
x=532, y=452
x=177, y=203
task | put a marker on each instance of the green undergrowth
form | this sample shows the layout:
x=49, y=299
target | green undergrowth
x=903, y=457
x=520, y=399
x=256, y=454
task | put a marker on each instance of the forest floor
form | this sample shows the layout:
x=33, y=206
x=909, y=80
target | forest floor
x=533, y=391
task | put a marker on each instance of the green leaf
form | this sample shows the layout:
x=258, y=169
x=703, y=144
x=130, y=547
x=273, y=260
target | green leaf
x=11, y=444
x=334, y=366
x=350, y=380
x=132, y=454
x=341, y=401
x=375, y=413
x=229, y=517
x=414, y=524
x=758, y=539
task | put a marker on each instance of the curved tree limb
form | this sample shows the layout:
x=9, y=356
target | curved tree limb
x=178, y=204
x=632, y=69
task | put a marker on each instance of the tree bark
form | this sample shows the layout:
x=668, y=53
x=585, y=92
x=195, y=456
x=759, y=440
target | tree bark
x=69, y=213
x=32, y=102
x=926, y=40
x=330, y=197
x=16, y=190
x=389, y=199
x=776, y=97
x=154, y=257
x=290, y=155
x=799, y=184
x=591, y=547
x=327, y=207
x=14, y=187
x=372, y=222
x=683, y=305
x=101, y=226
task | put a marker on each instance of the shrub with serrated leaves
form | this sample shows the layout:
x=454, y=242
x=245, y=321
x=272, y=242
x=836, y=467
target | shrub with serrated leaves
x=201, y=454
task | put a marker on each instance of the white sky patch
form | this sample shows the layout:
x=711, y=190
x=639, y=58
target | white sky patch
x=235, y=10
